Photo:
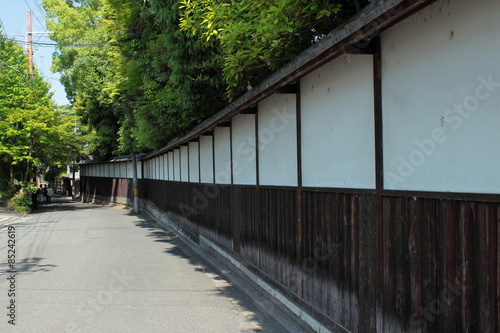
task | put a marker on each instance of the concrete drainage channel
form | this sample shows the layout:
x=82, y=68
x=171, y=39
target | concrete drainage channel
x=265, y=297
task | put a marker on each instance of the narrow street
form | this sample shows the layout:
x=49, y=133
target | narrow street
x=89, y=268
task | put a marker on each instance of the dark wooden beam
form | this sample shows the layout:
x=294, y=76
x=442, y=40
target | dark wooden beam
x=250, y=110
x=365, y=46
x=225, y=124
x=208, y=133
x=288, y=89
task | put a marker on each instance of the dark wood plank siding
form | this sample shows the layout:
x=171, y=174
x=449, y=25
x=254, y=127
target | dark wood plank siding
x=441, y=265
x=438, y=256
x=104, y=190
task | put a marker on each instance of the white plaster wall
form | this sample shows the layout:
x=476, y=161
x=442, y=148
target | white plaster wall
x=184, y=164
x=441, y=84
x=177, y=165
x=337, y=124
x=130, y=170
x=222, y=149
x=123, y=170
x=277, y=137
x=139, y=170
x=152, y=166
x=244, y=153
x=157, y=167
x=162, y=167
x=147, y=169
x=194, y=163
x=165, y=166
x=170, y=158
x=206, y=159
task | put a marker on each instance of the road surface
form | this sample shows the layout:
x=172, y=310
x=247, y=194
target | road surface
x=88, y=268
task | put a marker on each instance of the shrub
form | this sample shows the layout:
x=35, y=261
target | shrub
x=21, y=201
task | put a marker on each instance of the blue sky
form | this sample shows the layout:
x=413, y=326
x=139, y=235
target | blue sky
x=14, y=17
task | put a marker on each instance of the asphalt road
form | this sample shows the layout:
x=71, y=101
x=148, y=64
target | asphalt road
x=88, y=268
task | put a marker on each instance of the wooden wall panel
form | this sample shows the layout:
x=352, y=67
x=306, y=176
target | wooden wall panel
x=439, y=257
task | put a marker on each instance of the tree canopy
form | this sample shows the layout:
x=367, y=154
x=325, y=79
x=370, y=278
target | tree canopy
x=34, y=134
x=142, y=73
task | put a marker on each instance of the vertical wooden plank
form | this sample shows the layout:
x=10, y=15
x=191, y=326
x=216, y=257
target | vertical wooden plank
x=491, y=303
x=485, y=242
x=399, y=262
x=361, y=291
x=467, y=321
x=388, y=271
x=448, y=314
x=434, y=308
x=351, y=278
x=372, y=242
x=415, y=255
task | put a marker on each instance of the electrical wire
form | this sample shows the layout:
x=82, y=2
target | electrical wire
x=13, y=68
x=40, y=9
x=32, y=11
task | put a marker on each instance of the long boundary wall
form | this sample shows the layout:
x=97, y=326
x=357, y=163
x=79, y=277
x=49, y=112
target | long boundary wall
x=361, y=180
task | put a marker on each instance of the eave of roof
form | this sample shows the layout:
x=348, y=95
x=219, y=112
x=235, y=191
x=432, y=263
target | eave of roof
x=116, y=159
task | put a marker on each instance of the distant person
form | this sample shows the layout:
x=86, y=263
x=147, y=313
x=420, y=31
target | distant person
x=39, y=193
x=34, y=199
x=45, y=193
x=50, y=193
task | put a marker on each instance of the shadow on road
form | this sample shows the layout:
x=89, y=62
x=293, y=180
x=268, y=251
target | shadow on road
x=225, y=289
x=262, y=321
x=62, y=204
x=29, y=265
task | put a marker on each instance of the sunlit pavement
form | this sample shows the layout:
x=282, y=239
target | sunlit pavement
x=88, y=268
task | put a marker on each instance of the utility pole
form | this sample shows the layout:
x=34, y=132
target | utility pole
x=30, y=46
x=135, y=183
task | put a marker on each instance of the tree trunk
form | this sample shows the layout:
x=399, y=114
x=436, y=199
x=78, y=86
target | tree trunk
x=26, y=174
x=11, y=169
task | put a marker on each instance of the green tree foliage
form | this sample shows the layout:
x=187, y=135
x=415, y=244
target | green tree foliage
x=141, y=73
x=256, y=37
x=173, y=77
x=88, y=58
x=34, y=135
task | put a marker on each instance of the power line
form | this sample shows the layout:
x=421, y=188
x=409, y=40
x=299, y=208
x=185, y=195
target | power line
x=42, y=11
x=36, y=17
x=13, y=68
